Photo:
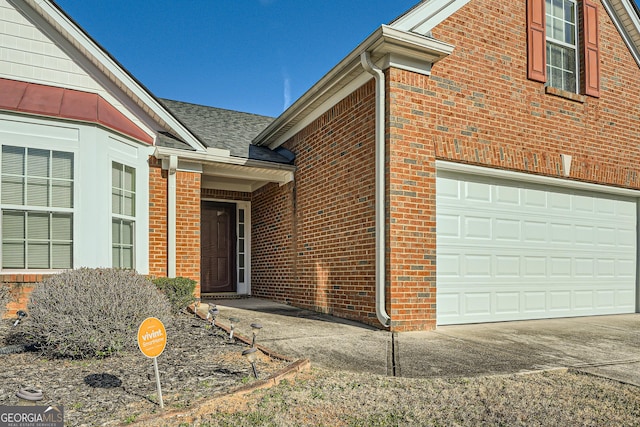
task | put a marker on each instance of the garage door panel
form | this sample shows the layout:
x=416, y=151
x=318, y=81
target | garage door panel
x=559, y=301
x=507, y=303
x=534, y=302
x=511, y=252
x=606, y=299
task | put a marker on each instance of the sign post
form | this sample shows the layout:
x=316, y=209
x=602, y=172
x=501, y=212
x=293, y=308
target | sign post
x=152, y=339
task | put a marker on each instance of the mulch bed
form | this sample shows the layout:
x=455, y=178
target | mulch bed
x=199, y=362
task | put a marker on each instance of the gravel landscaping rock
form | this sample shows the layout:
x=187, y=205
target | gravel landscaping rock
x=198, y=363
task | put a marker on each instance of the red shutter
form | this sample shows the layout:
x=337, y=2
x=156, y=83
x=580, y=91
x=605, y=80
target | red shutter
x=591, y=48
x=536, y=41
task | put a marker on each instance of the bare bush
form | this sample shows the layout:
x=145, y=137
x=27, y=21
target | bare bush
x=92, y=312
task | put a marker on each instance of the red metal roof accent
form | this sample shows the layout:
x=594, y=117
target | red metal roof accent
x=66, y=103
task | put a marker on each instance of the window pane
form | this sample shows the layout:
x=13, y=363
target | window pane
x=554, y=55
x=116, y=201
x=115, y=232
x=241, y=215
x=62, y=194
x=62, y=164
x=127, y=233
x=13, y=226
x=129, y=204
x=127, y=258
x=12, y=190
x=569, y=34
x=116, y=175
x=569, y=12
x=38, y=162
x=241, y=275
x=568, y=59
x=61, y=227
x=37, y=226
x=13, y=255
x=37, y=192
x=241, y=246
x=570, y=81
x=62, y=255
x=129, y=178
x=557, y=33
x=12, y=160
x=557, y=8
x=38, y=255
x=115, y=256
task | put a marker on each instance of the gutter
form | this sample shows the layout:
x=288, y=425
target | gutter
x=381, y=311
x=171, y=217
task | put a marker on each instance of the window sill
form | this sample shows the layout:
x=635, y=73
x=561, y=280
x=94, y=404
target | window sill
x=565, y=94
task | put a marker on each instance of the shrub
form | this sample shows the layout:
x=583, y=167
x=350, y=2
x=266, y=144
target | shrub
x=92, y=312
x=179, y=291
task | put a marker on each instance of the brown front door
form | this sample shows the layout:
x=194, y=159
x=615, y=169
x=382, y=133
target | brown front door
x=218, y=252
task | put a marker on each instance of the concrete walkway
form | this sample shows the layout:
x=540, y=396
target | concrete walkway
x=602, y=345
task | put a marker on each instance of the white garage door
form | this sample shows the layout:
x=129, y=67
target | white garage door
x=512, y=251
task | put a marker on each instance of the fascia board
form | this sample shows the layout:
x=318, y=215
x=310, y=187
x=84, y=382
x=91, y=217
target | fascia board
x=381, y=42
x=427, y=15
x=109, y=66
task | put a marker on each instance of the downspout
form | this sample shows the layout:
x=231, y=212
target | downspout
x=381, y=311
x=171, y=216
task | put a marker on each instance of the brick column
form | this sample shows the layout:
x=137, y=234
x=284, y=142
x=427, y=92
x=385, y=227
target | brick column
x=411, y=201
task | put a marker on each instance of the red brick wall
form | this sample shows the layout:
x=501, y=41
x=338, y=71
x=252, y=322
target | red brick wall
x=20, y=287
x=411, y=239
x=208, y=193
x=187, y=223
x=157, y=219
x=481, y=109
x=314, y=239
x=188, y=226
x=478, y=107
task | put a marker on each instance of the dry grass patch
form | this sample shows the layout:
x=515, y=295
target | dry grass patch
x=325, y=398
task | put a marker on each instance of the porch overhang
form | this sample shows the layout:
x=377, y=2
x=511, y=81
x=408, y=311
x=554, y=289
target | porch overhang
x=221, y=171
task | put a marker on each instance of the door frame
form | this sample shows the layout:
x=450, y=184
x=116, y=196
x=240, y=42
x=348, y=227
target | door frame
x=243, y=275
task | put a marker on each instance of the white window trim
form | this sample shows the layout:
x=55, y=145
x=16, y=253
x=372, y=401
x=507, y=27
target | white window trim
x=241, y=288
x=119, y=216
x=576, y=47
x=69, y=147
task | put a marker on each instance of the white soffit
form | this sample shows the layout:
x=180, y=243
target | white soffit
x=425, y=16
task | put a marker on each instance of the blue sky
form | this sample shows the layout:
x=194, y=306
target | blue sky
x=256, y=56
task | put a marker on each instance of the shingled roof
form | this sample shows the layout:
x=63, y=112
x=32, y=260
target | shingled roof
x=220, y=128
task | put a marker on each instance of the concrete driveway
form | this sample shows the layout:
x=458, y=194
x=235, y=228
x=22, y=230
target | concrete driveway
x=603, y=345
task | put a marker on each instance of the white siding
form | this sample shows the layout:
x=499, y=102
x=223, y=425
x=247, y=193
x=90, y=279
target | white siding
x=28, y=54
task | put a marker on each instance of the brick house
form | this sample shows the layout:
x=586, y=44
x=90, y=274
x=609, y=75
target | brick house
x=472, y=161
